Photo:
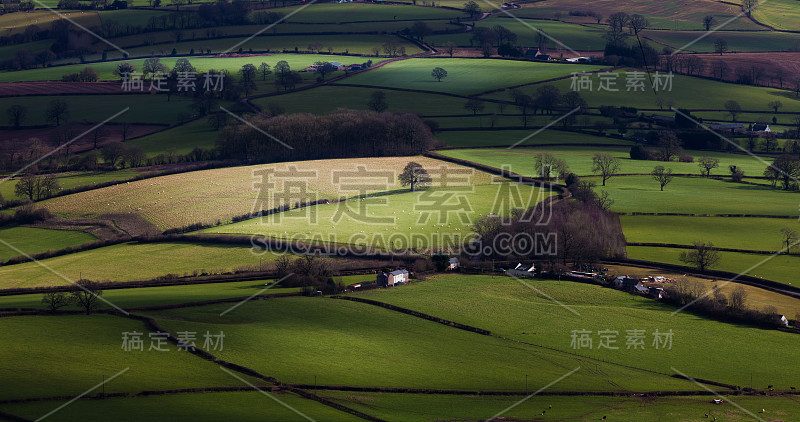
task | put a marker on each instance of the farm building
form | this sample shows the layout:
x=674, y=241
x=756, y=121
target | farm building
x=453, y=264
x=392, y=278
x=784, y=320
x=625, y=283
x=760, y=128
x=656, y=292
x=728, y=127
x=522, y=270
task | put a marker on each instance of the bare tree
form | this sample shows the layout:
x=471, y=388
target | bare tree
x=733, y=108
x=749, y=5
x=703, y=256
x=282, y=266
x=56, y=300
x=789, y=237
x=707, y=164
x=474, y=105
x=775, y=105
x=86, y=294
x=57, y=111
x=450, y=48
x=637, y=23
x=605, y=164
x=720, y=46
x=708, y=20
x=16, y=115
x=662, y=176
x=737, y=299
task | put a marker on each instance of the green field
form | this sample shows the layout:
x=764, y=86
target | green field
x=65, y=356
x=74, y=179
x=725, y=232
x=215, y=195
x=579, y=159
x=687, y=92
x=431, y=407
x=130, y=262
x=511, y=309
x=359, y=12
x=143, y=108
x=207, y=407
x=183, y=139
x=464, y=76
x=402, y=213
x=232, y=64
x=475, y=138
x=779, y=14
x=32, y=240
x=373, y=346
x=782, y=269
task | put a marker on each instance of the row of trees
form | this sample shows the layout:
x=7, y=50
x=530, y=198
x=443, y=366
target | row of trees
x=548, y=98
x=84, y=294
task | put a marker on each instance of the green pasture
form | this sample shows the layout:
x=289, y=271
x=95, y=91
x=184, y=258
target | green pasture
x=687, y=92
x=781, y=268
x=572, y=36
x=202, y=64
x=191, y=407
x=183, y=139
x=540, y=312
x=171, y=295
x=74, y=179
x=143, y=108
x=398, y=221
x=133, y=17
x=725, y=232
x=9, y=51
x=698, y=196
x=217, y=195
x=131, y=262
x=579, y=159
x=432, y=407
x=779, y=14
x=31, y=240
x=464, y=76
x=360, y=12
x=475, y=138
x=378, y=347
x=67, y=355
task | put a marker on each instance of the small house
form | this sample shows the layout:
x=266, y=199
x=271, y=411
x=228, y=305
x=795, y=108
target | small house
x=625, y=283
x=784, y=321
x=453, y=264
x=761, y=128
x=391, y=279
x=543, y=57
x=337, y=65
x=522, y=270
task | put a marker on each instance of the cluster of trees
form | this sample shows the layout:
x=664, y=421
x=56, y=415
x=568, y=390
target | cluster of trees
x=621, y=26
x=84, y=294
x=35, y=187
x=548, y=98
x=390, y=48
x=753, y=73
x=584, y=234
x=784, y=172
x=501, y=38
x=340, y=134
x=88, y=74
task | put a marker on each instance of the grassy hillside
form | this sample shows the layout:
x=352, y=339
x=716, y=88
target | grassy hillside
x=35, y=240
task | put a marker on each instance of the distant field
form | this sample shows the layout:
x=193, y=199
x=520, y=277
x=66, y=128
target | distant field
x=131, y=262
x=358, y=12
x=464, y=76
x=15, y=23
x=402, y=211
x=130, y=16
x=687, y=92
x=509, y=137
x=431, y=407
x=698, y=195
x=183, y=138
x=780, y=14
x=240, y=406
x=35, y=240
x=529, y=314
x=232, y=64
x=84, y=349
x=73, y=179
x=781, y=268
x=725, y=232
x=220, y=194
x=579, y=159
x=379, y=347
x=144, y=108
x=575, y=37
x=737, y=40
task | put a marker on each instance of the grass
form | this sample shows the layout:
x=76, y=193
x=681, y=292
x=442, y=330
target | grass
x=779, y=14
x=144, y=108
x=183, y=138
x=465, y=76
x=687, y=92
x=408, y=223
x=16, y=23
x=130, y=262
x=359, y=12
x=475, y=138
x=196, y=407
x=725, y=232
x=373, y=346
x=211, y=195
x=579, y=159
x=65, y=356
x=170, y=295
x=132, y=17
x=32, y=240
x=432, y=407
x=74, y=179
x=782, y=268
x=512, y=309
x=202, y=64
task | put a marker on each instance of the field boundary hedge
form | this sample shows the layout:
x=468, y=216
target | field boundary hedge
x=416, y=314
x=679, y=246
